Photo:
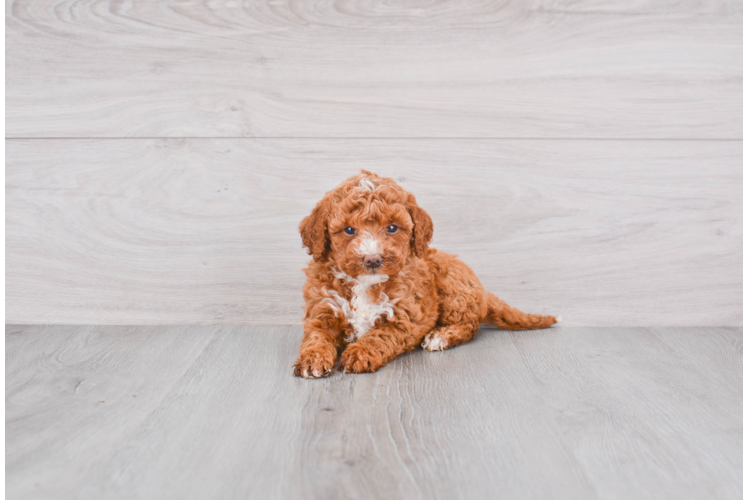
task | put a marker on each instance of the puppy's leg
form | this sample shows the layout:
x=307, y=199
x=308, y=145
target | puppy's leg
x=319, y=350
x=376, y=348
x=444, y=337
x=462, y=306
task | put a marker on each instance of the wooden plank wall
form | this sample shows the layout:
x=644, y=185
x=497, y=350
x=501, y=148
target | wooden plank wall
x=584, y=157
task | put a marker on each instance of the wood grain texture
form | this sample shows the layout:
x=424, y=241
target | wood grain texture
x=631, y=233
x=548, y=68
x=745, y=463
x=213, y=412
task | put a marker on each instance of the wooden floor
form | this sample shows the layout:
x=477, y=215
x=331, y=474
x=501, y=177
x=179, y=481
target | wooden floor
x=213, y=412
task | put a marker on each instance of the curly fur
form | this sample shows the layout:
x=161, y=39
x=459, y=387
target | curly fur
x=418, y=296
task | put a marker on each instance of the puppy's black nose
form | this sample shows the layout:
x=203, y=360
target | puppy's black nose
x=372, y=261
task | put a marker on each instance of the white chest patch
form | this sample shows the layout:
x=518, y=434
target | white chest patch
x=361, y=312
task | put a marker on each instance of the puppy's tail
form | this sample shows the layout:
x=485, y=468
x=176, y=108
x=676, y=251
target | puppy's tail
x=505, y=316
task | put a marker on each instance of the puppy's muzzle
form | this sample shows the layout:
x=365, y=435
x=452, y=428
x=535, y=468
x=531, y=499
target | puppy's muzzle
x=373, y=261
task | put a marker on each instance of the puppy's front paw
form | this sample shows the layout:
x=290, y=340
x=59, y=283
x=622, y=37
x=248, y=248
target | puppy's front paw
x=358, y=358
x=312, y=364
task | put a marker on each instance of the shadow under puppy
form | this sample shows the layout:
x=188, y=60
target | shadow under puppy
x=375, y=289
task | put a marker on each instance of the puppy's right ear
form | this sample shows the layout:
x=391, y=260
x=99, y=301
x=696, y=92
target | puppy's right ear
x=313, y=229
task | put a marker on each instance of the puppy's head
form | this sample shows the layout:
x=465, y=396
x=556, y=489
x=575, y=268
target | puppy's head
x=367, y=225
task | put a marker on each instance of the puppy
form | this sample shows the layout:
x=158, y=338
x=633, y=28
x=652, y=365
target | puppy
x=375, y=289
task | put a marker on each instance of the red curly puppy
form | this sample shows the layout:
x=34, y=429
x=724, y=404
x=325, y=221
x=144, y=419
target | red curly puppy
x=375, y=289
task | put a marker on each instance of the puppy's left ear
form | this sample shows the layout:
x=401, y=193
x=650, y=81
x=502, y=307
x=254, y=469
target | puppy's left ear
x=423, y=228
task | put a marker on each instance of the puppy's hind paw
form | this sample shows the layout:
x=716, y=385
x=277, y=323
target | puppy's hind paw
x=434, y=342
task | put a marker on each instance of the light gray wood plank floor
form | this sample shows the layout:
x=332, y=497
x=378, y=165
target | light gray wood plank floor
x=213, y=412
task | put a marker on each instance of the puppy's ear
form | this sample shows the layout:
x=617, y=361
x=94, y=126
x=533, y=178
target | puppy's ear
x=423, y=228
x=314, y=233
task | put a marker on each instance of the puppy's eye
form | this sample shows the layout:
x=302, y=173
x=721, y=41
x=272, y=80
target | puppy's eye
x=350, y=230
x=391, y=229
